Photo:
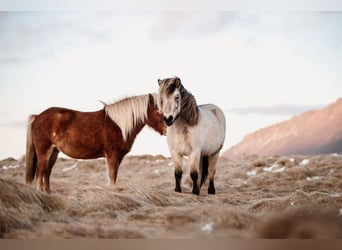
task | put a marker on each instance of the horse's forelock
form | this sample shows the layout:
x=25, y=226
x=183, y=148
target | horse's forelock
x=169, y=85
x=171, y=88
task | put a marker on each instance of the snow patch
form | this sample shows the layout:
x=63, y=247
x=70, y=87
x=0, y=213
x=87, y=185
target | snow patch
x=313, y=178
x=69, y=168
x=304, y=162
x=159, y=161
x=335, y=195
x=10, y=167
x=208, y=228
x=274, y=169
x=160, y=170
x=251, y=173
x=279, y=170
x=269, y=169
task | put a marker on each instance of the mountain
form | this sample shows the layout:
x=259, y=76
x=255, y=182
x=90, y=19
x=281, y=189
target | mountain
x=312, y=132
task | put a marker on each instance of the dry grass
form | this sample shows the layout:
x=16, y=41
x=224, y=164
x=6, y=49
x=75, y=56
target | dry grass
x=257, y=197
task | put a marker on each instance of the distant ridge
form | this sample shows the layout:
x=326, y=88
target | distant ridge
x=312, y=132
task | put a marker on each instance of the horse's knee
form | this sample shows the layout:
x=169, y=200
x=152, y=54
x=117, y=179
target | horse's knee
x=194, y=176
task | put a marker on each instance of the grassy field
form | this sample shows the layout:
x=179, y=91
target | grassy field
x=256, y=197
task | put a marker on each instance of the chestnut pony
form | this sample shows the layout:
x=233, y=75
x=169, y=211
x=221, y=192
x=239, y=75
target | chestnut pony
x=109, y=132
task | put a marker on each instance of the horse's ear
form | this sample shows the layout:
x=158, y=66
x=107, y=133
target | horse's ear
x=159, y=82
x=150, y=97
x=177, y=82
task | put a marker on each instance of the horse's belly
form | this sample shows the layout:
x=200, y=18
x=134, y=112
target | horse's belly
x=80, y=151
x=211, y=147
x=211, y=136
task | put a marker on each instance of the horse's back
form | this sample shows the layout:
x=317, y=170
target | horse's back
x=216, y=111
x=52, y=118
x=65, y=115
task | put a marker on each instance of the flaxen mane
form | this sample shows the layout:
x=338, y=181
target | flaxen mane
x=128, y=112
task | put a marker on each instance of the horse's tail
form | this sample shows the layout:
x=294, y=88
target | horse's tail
x=31, y=155
x=204, y=167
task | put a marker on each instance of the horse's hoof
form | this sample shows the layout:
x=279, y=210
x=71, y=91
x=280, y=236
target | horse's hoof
x=196, y=190
x=179, y=190
x=211, y=190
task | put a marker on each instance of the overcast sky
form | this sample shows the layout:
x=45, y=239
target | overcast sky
x=260, y=67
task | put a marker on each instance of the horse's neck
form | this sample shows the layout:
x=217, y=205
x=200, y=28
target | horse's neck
x=189, y=109
x=135, y=131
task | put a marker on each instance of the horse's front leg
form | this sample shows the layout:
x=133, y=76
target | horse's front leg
x=211, y=172
x=177, y=161
x=194, y=164
x=113, y=161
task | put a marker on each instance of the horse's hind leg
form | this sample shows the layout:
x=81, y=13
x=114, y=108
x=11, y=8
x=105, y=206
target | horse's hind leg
x=203, y=170
x=42, y=161
x=47, y=173
x=212, y=160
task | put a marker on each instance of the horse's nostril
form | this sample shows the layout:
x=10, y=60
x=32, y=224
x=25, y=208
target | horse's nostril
x=168, y=120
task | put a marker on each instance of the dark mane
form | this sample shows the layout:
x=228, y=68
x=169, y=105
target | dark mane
x=189, y=109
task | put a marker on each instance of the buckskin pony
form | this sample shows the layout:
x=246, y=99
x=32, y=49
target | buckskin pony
x=194, y=131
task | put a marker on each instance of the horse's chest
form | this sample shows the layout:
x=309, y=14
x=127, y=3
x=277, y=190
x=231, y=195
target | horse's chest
x=180, y=140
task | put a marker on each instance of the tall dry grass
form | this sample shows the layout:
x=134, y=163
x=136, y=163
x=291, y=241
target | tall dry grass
x=257, y=197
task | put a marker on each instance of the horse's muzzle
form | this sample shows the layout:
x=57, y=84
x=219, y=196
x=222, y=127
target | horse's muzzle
x=168, y=120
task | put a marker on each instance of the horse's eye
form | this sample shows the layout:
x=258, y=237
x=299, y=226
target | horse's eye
x=177, y=98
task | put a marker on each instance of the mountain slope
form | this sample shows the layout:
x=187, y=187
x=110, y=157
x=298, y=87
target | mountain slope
x=313, y=132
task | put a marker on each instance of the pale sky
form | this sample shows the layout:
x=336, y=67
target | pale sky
x=260, y=67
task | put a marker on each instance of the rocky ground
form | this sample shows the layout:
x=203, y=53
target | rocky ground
x=256, y=197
